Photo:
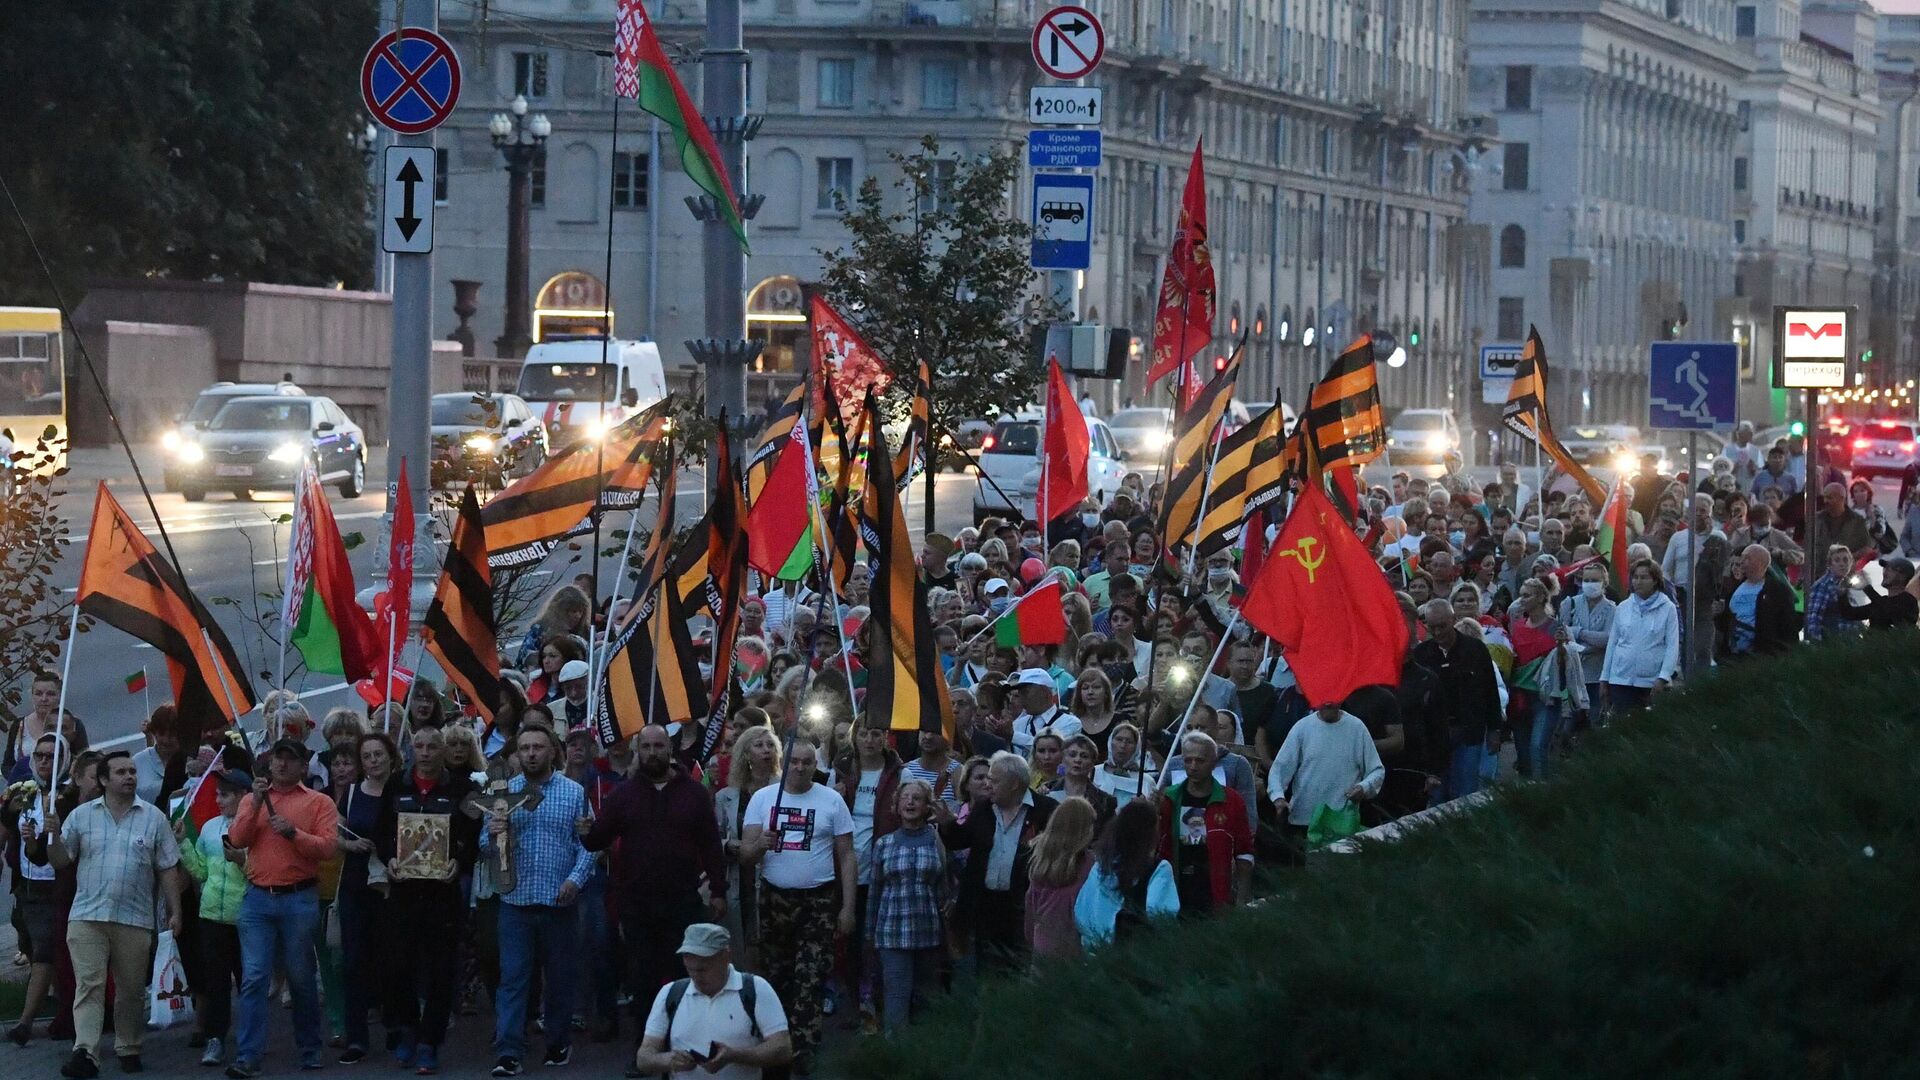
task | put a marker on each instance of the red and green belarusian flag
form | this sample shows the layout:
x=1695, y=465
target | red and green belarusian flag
x=1035, y=619
x=325, y=622
x=641, y=71
x=780, y=539
x=137, y=681
x=1610, y=540
x=200, y=805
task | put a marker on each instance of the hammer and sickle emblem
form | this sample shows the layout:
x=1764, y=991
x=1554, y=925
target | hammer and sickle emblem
x=1305, y=551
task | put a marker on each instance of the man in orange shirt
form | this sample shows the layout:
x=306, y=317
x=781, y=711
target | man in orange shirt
x=288, y=830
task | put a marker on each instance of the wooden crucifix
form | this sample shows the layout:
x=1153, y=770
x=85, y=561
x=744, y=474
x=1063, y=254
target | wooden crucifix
x=496, y=800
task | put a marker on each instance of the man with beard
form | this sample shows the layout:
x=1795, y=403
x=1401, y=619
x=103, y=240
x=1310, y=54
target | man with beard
x=669, y=841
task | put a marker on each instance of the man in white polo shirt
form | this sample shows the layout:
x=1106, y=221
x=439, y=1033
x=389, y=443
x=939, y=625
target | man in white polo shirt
x=1039, y=697
x=729, y=1024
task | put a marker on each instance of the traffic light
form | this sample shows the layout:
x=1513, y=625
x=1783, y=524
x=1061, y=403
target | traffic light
x=1413, y=338
x=1797, y=429
x=1219, y=363
x=1867, y=357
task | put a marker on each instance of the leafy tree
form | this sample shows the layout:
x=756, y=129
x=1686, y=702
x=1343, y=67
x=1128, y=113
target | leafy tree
x=936, y=269
x=203, y=139
x=34, y=613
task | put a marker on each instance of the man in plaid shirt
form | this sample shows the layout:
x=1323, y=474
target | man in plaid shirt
x=537, y=917
x=1826, y=614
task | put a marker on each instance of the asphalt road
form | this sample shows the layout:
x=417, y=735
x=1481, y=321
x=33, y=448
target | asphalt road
x=233, y=551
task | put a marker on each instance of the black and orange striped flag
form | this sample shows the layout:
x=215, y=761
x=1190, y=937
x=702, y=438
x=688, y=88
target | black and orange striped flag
x=651, y=674
x=904, y=684
x=127, y=585
x=726, y=587
x=844, y=500
x=1526, y=414
x=1193, y=454
x=529, y=519
x=1247, y=465
x=459, y=625
x=1343, y=416
x=916, y=450
x=772, y=439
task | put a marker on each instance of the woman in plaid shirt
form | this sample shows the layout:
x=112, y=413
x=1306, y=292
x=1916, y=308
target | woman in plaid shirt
x=908, y=901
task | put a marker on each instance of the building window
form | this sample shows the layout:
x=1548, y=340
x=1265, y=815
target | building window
x=942, y=180
x=836, y=182
x=629, y=181
x=836, y=83
x=940, y=85
x=1739, y=230
x=1743, y=20
x=440, y=158
x=1513, y=246
x=530, y=74
x=538, y=197
x=1520, y=86
x=1513, y=169
x=1513, y=318
x=1739, y=174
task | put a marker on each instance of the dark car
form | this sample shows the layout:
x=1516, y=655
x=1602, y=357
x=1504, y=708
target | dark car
x=483, y=439
x=262, y=443
x=205, y=407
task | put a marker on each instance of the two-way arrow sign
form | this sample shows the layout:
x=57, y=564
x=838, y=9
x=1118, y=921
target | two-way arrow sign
x=406, y=211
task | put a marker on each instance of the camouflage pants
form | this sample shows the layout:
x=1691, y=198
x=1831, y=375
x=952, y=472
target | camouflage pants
x=797, y=928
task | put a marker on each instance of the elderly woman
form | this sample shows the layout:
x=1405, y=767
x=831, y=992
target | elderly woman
x=1536, y=637
x=754, y=763
x=907, y=902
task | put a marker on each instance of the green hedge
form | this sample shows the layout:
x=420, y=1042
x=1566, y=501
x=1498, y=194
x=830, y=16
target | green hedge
x=1726, y=887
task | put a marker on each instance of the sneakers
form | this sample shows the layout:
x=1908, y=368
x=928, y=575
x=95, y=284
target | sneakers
x=507, y=1066
x=558, y=1055
x=869, y=1020
x=405, y=1052
x=354, y=1055
x=20, y=1034
x=213, y=1052
x=310, y=1061
x=80, y=1066
x=242, y=1069
x=427, y=1061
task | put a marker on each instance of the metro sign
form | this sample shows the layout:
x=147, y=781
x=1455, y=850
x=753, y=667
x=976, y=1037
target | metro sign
x=1812, y=347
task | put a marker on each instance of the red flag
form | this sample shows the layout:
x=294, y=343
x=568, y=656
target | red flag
x=1063, y=470
x=1253, y=539
x=398, y=609
x=843, y=358
x=1322, y=598
x=1184, y=324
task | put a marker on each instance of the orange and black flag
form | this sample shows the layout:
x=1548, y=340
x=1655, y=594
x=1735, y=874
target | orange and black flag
x=529, y=519
x=916, y=451
x=459, y=626
x=726, y=588
x=1247, y=465
x=1343, y=417
x=844, y=499
x=904, y=683
x=126, y=584
x=772, y=439
x=1526, y=414
x=1193, y=454
x=652, y=674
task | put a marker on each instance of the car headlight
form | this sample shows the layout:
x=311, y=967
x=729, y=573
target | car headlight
x=1438, y=442
x=482, y=444
x=1158, y=440
x=170, y=440
x=191, y=453
x=1626, y=462
x=287, y=453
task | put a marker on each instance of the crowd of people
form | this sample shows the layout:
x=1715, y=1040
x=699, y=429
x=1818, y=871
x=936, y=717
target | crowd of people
x=408, y=864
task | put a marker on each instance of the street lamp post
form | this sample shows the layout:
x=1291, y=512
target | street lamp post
x=519, y=138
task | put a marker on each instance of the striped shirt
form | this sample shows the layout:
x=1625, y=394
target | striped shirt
x=118, y=861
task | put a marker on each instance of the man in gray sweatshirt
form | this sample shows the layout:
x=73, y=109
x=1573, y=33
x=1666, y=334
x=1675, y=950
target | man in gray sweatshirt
x=1329, y=763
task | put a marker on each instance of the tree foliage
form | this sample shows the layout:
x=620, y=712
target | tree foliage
x=184, y=138
x=936, y=268
x=33, y=612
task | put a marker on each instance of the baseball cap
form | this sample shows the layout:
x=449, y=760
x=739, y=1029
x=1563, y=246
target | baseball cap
x=705, y=939
x=573, y=669
x=994, y=585
x=234, y=778
x=1034, y=676
x=288, y=746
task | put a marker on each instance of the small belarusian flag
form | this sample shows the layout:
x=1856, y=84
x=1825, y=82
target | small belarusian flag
x=1037, y=619
x=137, y=682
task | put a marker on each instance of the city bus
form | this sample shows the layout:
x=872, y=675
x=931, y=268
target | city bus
x=33, y=380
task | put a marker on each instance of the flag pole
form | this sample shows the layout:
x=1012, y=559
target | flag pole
x=146, y=693
x=1206, y=489
x=600, y=443
x=286, y=579
x=1199, y=681
x=596, y=657
x=225, y=690
x=66, y=678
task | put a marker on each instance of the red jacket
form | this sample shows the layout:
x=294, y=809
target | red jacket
x=1228, y=835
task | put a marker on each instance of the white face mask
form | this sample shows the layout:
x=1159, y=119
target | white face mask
x=1593, y=590
x=1090, y=519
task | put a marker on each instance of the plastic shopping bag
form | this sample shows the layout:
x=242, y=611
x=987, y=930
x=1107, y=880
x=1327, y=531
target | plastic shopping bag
x=1329, y=824
x=168, y=1000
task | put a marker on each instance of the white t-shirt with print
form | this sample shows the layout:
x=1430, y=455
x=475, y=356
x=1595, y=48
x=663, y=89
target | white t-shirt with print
x=801, y=854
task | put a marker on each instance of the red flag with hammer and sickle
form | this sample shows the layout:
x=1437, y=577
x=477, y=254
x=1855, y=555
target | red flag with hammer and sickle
x=1322, y=598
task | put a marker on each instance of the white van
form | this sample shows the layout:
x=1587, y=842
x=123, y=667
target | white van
x=574, y=396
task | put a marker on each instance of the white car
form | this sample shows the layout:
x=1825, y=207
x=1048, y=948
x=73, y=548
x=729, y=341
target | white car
x=1010, y=467
x=1423, y=437
x=1142, y=434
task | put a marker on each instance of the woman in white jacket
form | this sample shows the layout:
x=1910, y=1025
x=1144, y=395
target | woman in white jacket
x=1643, y=648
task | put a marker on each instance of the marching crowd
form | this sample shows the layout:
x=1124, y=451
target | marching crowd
x=822, y=868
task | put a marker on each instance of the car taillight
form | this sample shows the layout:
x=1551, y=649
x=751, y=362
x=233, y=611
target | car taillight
x=1860, y=444
x=1907, y=446
x=986, y=443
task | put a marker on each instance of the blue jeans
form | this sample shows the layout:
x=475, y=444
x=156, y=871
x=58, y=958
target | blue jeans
x=595, y=942
x=902, y=972
x=1463, y=769
x=530, y=933
x=1546, y=724
x=277, y=930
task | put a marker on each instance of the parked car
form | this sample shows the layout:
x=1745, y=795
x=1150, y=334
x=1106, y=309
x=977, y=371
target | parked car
x=1605, y=446
x=190, y=423
x=1141, y=434
x=484, y=439
x=1423, y=437
x=1883, y=448
x=1010, y=467
x=261, y=443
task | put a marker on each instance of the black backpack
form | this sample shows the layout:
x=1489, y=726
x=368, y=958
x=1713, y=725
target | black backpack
x=749, y=997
